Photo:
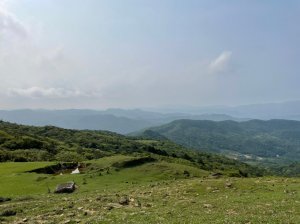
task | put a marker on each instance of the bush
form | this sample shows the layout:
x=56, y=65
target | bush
x=69, y=157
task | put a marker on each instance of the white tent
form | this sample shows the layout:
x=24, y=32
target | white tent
x=76, y=171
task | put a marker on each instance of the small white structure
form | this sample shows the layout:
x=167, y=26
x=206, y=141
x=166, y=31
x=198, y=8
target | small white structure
x=76, y=171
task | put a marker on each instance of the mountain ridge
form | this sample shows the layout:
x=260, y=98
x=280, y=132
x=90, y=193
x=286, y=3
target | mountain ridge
x=275, y=139
x=115, y=120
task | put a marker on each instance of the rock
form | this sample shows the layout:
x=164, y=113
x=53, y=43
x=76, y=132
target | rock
x=65, y=188
x=2, y=199
x=124, y=201
x=72, y=214
x=231, y=212
x=25, y=220
x=228, y=185
x=216, y=175
x=138, y=204
x=110, y=206
x=71, y=205
x=207, y=206
x=166, y=195
x=186, y=173
x=59, y=211
x=8, y=213
x=148, y=205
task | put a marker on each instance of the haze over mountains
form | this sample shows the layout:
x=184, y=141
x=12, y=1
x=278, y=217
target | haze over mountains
x=115, y=120
x=127, y=121
x=289, y=110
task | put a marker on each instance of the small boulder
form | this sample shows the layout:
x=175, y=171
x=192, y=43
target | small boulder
x=228, y=184
x=124, y=201
x=216, y=175
x=207, y=206
x=65, y=188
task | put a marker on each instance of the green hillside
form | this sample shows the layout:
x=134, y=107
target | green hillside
x=21, y=143
x=155, y=192
x=132, y=180
x=262, y=141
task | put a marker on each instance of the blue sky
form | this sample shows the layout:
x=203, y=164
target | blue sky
x=134, y=53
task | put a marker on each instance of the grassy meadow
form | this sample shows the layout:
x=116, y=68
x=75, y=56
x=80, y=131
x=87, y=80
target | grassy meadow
x=153, y=192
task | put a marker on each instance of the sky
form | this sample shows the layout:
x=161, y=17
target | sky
x=98, y=54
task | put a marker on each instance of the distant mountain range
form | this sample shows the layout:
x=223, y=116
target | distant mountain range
x=115, y=120
x=128, y=121
x=256, y=140
x=289, y=110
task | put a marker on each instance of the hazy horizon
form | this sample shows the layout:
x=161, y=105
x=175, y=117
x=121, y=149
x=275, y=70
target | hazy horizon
x=155, y=108
x=63, y=54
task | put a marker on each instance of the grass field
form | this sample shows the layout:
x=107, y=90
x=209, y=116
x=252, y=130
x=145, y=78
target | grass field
x=154, y=192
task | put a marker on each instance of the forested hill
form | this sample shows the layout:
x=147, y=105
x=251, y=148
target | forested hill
x=276, y=139
x=22, y=143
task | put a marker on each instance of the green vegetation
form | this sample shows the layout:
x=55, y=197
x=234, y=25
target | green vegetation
x=273, y=141
x=27, y=143
x=292, y=170
x=133, y=180
x=152, y=192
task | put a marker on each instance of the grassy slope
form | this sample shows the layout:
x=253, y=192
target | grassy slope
x=160, y=194
x=17, y=181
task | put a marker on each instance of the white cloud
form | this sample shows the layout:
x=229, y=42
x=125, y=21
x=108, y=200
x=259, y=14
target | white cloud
x=25, y=62
x=9, y=24
x=39, y=92
x=220, y=64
